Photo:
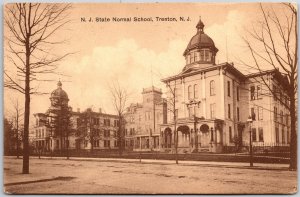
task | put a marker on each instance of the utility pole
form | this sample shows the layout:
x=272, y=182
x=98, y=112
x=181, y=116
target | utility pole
x=196, y=133
x=250, y=141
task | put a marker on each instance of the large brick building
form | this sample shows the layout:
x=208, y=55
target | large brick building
x=143, y=120
x=88, y=129
x=214, y=101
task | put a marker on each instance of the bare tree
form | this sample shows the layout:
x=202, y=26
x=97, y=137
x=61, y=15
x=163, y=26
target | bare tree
x=119, y=98
x=273, y=43
x=8, y=136
x=30, y=37
x=17, y=127
x=171, y=103
x=89, y=127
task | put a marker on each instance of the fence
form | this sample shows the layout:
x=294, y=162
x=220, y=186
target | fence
x=260, y=149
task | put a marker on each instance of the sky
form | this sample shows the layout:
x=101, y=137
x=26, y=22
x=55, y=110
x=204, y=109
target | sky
x=137, y=54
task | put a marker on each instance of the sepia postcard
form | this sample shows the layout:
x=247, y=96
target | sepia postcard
x=150, y=98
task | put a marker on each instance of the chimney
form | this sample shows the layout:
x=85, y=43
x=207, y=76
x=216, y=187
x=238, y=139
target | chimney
x=78, y=109
x=100, y=110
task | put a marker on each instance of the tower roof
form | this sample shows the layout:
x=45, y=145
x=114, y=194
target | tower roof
x=200, y=40
x=59, y=92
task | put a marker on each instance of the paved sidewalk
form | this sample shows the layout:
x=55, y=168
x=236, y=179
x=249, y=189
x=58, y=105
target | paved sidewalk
x=171, y=162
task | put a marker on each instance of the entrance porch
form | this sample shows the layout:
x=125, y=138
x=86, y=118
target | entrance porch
x=194, y=135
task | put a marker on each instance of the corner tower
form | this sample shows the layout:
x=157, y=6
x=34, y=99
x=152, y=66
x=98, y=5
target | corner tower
x=201, y=50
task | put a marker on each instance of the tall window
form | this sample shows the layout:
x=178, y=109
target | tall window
x=281, y=116
x=260, y=134
x=230, y=134
x=212, y=110
x=237, y=93
x=275, y=113
x=254, y=134
x=189, y=92
x=192, y=57
x=288, y=136
x=260, y=113
x=275, y=92
x=147, y=115
x=207, y=55
x=238, y=113
x=212, y=87
x=188, y=59
x=283, y=136
x=196, y=56
x=106, y=122
x=252, y=92
x=195, y=91
x=258, y=91
x=228, y=88
x=253, y=115
x=229, y=111
x=201, y=55
x=277, y=134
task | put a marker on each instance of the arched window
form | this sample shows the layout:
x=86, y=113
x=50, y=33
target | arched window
x=212, y=87
x=189, y=92
x=195, y=91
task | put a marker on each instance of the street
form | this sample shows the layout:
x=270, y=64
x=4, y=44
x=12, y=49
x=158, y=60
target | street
x=96, y=176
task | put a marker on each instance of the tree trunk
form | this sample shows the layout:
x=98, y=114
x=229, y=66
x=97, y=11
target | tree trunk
x=176, y=141
x=92, y=142
x=26, y=113
x=293, y=138
x=67, y=144
x=61, y=141
x=17, y=121
x=120, y=136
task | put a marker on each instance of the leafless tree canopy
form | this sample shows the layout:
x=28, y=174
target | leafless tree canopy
x=119, y=97
x=274, y=43
x=171, y=102
x=31, y=28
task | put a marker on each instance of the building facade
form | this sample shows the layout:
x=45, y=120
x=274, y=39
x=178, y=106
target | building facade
x=142, y=128
x=86, y=130
x=213, y=103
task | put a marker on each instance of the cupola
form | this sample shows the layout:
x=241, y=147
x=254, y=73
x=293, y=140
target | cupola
x=59, y=95
x=201, y=48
